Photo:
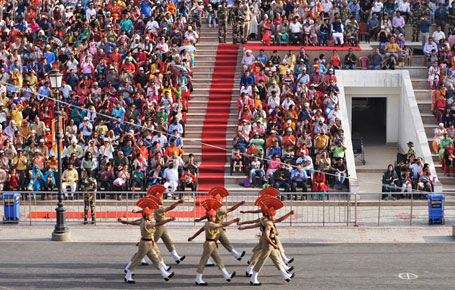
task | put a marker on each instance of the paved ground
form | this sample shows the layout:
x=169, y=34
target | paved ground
x=46, y=265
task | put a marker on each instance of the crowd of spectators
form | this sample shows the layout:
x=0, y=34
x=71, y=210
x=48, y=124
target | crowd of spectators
x=290, y=134
x=410, y=174
x=126, y=69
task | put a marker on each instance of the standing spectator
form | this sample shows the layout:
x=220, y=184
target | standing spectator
x=424, y=30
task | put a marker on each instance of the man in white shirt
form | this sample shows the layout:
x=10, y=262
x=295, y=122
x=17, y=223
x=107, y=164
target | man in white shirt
x=171, y=174
x=404, y=8
x=306, y=162
x=89, y=12
x=377, y=7
x=438, y=34
x=248, y=59
x=273, y=102
x=429, y=46
x=296, y=30
x=160, y=138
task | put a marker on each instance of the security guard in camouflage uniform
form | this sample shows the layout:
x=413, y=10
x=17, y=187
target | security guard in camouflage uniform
x=223, y=18
x=416, y=17
x=345, y=13
x=238, y=17
x=89, y=184
x=352, y=31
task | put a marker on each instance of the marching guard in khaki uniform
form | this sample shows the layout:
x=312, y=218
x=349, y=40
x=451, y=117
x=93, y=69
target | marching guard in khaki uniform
x=270, y=191
x=212, y=230
x=269, y=247
x=147, y=246
x=258, y=248
x=219, y=193
x=157, y=191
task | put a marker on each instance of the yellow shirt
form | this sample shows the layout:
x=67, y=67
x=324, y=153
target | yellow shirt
x=321, y=141
x=16, y=115
x=70, y=176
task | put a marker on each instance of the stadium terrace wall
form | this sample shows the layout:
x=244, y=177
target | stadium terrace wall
x=404, y=122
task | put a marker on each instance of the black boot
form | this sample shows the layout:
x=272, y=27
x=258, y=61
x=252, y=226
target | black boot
x=93, y=220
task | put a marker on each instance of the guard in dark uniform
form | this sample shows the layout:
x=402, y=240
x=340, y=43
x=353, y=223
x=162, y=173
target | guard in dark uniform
x=147, y=244
x=211, y=229
x=223, y=18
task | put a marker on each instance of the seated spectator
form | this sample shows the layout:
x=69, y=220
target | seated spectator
x=281, y=178
x=350, y=60
x=298, y=179
x=448, y=164
x=171, y=178
x=319, y=183
x=392, y=49
x=389, y=182
x=70, y=178
x=188, y=180
x=339, y=170
x=376, y=60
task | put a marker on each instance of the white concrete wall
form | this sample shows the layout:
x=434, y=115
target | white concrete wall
x=403, y=116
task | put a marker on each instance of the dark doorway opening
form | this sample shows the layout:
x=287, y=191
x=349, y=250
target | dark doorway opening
x=369, y=119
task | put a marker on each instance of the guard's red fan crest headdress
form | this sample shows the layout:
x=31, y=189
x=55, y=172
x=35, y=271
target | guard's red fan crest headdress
x=211, y=205
x=273, y=204
x=270, y=191
x=218, y=192
x=148, y=204
x=156, y=190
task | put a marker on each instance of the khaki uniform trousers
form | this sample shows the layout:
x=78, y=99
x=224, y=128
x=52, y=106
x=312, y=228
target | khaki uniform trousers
x=145, y=249
x=257, y=251
x=268, y=251
x=157, y=250
x=222, y=238
x=278, y=243
x=210, y=250
x=161, y=233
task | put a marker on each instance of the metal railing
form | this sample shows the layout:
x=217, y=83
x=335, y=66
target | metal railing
x=310, y=209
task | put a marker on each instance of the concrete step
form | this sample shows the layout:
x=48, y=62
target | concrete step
x=424, y=106
x=446, y=179
x=419, y=83
x=418, y=60
x=429, y=128
x=448, y=188
x=427, y=118
x=416, y=71
x=422, y=94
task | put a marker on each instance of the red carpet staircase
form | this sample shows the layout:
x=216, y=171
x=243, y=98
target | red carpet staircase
x=211, y=172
